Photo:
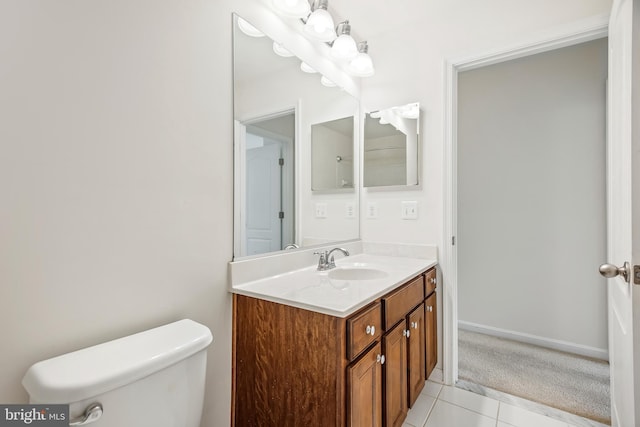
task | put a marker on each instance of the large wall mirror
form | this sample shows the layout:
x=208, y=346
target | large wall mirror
x=278, y=111
x=391, y=144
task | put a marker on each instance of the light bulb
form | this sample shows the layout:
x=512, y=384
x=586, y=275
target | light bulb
x=320, y=24
x=362, y=65
x=344, y=47
x=249, y=29
x=307, y=68
x=326, y=82
x=281, y=50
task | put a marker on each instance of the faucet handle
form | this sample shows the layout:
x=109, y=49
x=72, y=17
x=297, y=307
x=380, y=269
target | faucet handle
x=322, y=262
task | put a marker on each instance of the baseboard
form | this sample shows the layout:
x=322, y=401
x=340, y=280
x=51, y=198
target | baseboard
x=569, y=347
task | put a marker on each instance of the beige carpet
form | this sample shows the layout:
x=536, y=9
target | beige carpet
x=565, y=381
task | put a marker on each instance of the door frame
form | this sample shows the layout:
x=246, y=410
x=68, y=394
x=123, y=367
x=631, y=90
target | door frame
x=568, y=35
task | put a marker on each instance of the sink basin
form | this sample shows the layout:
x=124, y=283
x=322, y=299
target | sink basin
x=356, y=273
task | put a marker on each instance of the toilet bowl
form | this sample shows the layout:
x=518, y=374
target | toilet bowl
x=155, y=378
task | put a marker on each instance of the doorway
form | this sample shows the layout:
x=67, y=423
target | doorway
x=522, y=259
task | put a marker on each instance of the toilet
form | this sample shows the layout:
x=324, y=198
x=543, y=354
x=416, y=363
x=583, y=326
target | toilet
x=154, y=378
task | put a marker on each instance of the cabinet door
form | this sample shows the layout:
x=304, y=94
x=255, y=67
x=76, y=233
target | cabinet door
x=364, y=384
x=431, y=319
x=417, y=353
x=394, y=348
x=430, y=281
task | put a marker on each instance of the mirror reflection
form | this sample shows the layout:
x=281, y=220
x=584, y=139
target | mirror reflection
x=332, y=155
x=278, y=108
x=391, y=139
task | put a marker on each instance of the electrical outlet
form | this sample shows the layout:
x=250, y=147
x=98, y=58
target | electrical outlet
x=321, y=210
x=350, y=210
x=410, y=210
x=372, y=210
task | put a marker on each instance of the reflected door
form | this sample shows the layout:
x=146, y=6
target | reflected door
x=264, y=198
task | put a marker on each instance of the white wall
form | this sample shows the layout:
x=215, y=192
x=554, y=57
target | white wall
x=531, y=195
x=115, y=176
x=116, y=160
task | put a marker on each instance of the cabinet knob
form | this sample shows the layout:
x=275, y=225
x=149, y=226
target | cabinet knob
x=433, y=280
x=406, y=333
x=380, y=359
x=371, y=330
x=414, y=325
x=430, y=308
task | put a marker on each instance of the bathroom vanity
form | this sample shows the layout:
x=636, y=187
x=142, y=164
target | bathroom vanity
x=302, y=362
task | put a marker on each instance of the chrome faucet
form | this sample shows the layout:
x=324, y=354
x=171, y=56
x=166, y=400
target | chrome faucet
x=327, y=261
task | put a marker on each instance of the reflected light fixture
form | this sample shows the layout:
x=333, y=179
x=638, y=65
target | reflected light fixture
x=326, y=82
x=320, y=25
x=409, y=111
x=362, y=65
x=344, y=47
x=281, y=50
x=249, y=29
x=292, y=8
x=307, y=68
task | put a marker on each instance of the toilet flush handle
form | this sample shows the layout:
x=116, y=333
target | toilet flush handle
x=91, y=414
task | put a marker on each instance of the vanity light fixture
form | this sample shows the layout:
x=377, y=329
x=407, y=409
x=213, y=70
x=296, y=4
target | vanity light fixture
x=362, y=65
x=292, y=8
x=281, y=50
x=307, y=68
x=249, y=29
x=320, y=24
x=344, y=47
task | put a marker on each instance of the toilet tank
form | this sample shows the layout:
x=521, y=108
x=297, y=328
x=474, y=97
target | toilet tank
x=154, y=378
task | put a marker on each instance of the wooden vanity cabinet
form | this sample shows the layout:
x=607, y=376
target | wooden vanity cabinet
x=295, y=367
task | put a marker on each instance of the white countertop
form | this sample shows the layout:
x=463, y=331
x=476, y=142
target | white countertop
x=313, y=290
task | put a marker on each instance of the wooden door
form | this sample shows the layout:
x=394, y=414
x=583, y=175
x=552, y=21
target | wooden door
x=417, y=354
x=394, y=348
x=364, y=382
x=431, y=335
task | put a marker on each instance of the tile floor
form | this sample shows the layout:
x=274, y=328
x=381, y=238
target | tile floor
x=445, y=406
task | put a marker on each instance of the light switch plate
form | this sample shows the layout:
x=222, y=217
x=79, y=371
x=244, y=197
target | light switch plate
x=410, y=210
x=321, y=210
x=350, y=210
x=372, y=210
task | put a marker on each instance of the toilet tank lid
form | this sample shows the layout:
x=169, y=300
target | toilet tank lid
x=95, y=370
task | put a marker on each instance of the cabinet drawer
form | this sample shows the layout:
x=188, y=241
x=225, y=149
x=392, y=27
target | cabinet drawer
x=363, y=329
x=398, y=303
x=431, y=280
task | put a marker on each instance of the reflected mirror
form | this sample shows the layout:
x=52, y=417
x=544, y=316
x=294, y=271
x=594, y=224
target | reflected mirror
x=391, y=138
x=278, y=111
x=332, y=155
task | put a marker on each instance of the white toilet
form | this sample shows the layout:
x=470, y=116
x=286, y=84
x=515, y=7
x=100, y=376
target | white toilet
x=155, y=378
